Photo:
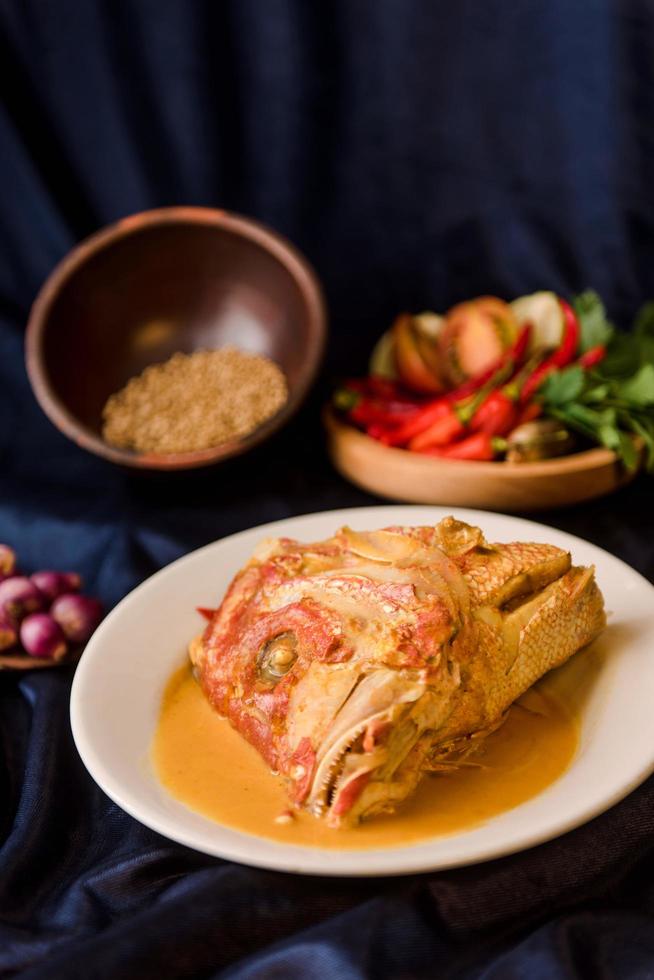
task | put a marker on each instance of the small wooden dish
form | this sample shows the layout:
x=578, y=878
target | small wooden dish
x=22, y=661
x=402, y=475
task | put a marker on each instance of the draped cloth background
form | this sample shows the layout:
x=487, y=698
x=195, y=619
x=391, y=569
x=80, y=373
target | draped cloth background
x=419, y=153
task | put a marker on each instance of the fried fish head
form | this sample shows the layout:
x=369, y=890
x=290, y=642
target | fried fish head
x=350, y=663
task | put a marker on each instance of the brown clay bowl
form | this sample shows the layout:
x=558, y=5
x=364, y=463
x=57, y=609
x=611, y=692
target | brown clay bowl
x=174, y=279
x=402, y=475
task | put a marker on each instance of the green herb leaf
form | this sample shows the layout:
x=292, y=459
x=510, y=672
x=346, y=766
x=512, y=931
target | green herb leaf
x=567, y=416
x=646, y=433
x=597, y=394
x=605, y=417
x=628, y=452
x=621, y=443
x=612, y=403
x=639, y=389
x=562, y=386
x=594, y=325
x=609, y=436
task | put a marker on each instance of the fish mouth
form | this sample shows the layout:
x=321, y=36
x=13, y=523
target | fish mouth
x=369, y=738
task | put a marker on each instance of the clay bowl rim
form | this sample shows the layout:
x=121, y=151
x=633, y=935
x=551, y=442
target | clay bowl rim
x=271, y=241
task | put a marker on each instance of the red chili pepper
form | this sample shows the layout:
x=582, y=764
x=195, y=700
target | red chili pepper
x=377, y=431
x=458, y=417
x=531, y=411
x=365, y=411
x=570, y=340
x=385, y=388
x=368, y=412
x=496, y=416
x=498, y=413
x=480, y=446
x=513, y=356
x=535, y=380
x=372, y=386
x=443, y=431
x=561, y=357
x=423, y=418
x=359, y=415
x=592, y=356
x=521, y=344
x=395, y=431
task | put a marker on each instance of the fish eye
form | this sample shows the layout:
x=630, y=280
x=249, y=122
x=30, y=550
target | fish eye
x=276, y=657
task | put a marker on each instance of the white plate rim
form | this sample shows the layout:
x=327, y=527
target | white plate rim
x=314, y=861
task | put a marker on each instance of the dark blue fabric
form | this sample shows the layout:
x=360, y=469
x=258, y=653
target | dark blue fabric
x=419, y=152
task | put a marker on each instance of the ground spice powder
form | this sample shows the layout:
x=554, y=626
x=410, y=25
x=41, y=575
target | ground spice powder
x=194, y=401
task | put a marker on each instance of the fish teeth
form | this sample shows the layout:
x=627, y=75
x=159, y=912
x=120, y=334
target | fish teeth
x=329, y=778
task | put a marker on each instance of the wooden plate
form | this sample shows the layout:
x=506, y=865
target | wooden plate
x=402, y=475
x=22, y=661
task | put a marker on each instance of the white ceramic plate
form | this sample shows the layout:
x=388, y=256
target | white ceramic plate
x=119, y=682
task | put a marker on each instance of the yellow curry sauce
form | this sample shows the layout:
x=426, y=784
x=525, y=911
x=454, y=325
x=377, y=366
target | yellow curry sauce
x=208, y=766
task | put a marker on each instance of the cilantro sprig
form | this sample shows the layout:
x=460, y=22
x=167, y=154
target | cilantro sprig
x=614, y=402
x=595, y=327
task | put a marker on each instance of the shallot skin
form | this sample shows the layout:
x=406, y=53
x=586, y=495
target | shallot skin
x=8, y=634
x=53, y=584
x=7, y=560
x=41, y=636
x=18, y=597
x=77, y=615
